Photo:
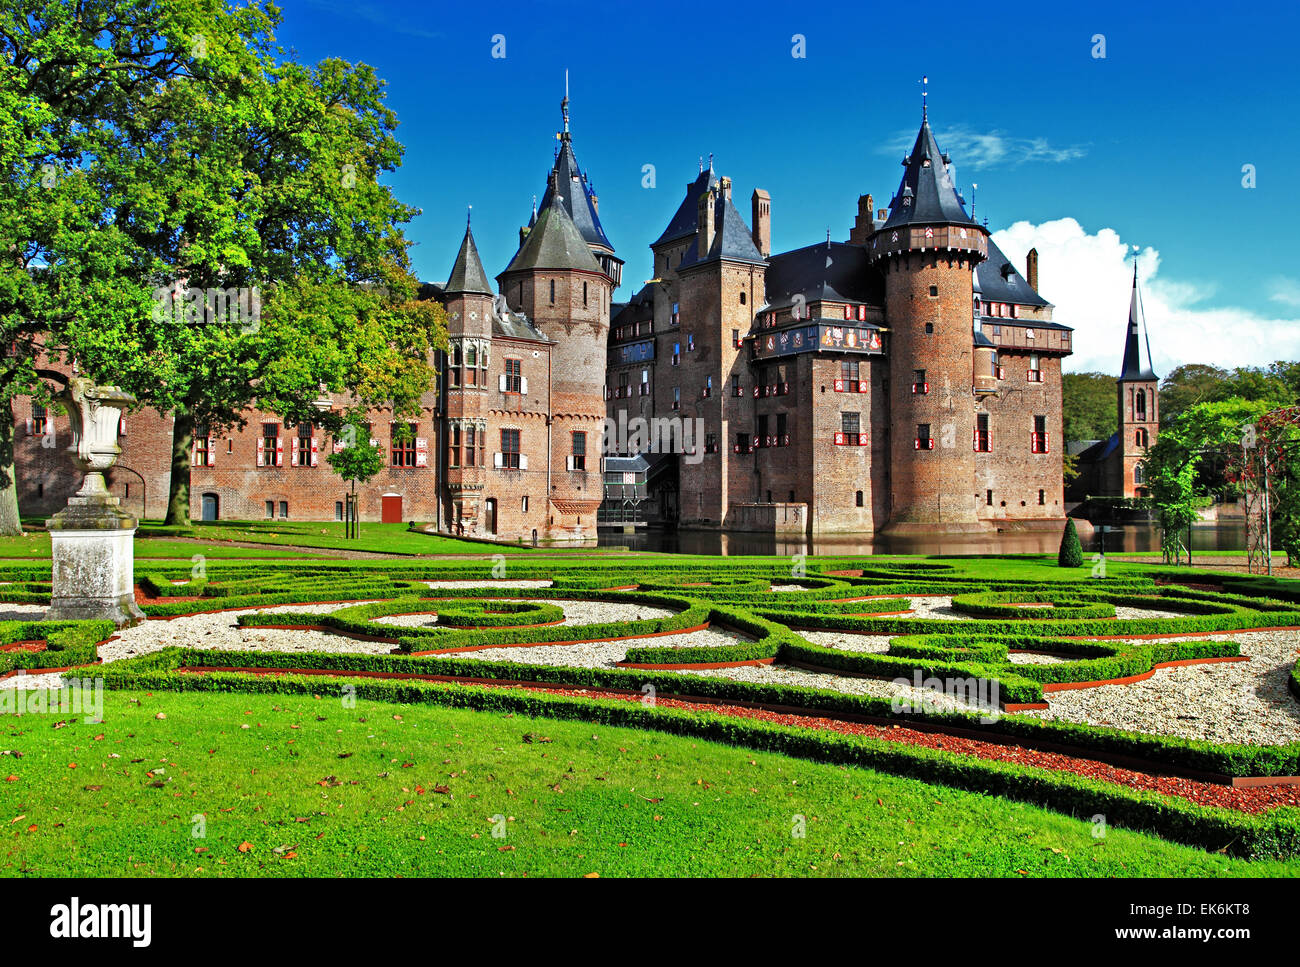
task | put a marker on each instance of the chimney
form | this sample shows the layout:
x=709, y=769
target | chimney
x=724, y=183
x=704, y=225
x=862, y=226
x=523, y=234
x=1031, y=268
x=761, y=205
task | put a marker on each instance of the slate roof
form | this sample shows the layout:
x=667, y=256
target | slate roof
x=576, y=194
x=467, y=273
x=926, y=195
x=732, y=239
x=999, y=281
x=633, y=464
x=554, y=242
x=684, y=221
x=515, y=325
x=1136, y=341
x=824, y=272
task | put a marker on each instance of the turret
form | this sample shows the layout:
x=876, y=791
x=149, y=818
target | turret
x=927, y=251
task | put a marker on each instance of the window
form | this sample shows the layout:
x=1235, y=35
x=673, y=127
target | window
x=708, y=386
x=710, y=443
x=857, y=499
x=849, y=424
x=202, y=447
x=1140, y=408
x=579, y=459
x=735, y=386
x=510, y=449
x=471, y=355
x=923, y=439
x=742, y=298
x=552, y=292
x=1035, y=372
x=1142, y=439
x=690, y=342
x=270, y=452
x=677, y=397
x=338, y=510
x=40, y=420
x=284, y=510
x=645, y=382
x=735, y=338
x=676, y=316
x=584, y=293
x=1138, y=476
x=760, y=432
x=742, y=443
x=303, y=445
x=983, y=439
x=782, y=433
x=849, y=369
x=988, y=498
x=677, y=354
x=919, y=385
x=453, y=370
x=453, y=446
x=403, y=449
x=929, y=328
x=514, y=375
x=1038, y=439
x=1042, y=498
x=472, y=439
x=270, y=509
x=523, y=503
x=934, y=292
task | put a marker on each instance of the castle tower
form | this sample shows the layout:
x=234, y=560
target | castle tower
x=579, y=200
x=927, y=251
x=1138, y=395
x=557, y=282
x=468, y=296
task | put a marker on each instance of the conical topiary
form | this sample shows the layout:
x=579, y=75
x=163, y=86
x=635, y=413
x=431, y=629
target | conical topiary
x=1071, y=553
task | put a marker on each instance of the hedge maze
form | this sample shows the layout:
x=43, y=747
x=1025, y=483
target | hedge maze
x=1021, y=639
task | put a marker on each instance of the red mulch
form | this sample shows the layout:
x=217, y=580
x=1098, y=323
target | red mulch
x=24, y=646
x=1248, y=800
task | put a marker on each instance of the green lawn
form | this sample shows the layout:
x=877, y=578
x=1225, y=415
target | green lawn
x=299, y=786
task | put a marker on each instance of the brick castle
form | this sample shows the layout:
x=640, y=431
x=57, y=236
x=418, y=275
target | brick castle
x=907, y=379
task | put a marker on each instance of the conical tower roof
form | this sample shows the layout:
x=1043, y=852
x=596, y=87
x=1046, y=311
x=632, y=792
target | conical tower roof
x=927, y=195
x=467, y=273
x=554, y=242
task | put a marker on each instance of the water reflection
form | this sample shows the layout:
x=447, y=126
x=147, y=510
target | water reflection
x=1120, y=538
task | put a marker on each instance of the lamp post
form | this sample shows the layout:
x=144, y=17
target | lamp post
x=92, y=538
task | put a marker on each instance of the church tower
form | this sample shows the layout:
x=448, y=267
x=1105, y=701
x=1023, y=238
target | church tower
x=1138, y=392
x=927, y=251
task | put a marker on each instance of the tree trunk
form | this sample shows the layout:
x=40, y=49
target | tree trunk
x=10, y=523
x=178, y=492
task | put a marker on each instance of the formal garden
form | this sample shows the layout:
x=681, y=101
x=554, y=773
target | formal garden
x=576, y=714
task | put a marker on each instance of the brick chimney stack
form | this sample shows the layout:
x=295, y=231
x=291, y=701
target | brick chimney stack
x=862, y=225
x=705, y=222
x=1031, y=268
x=761, y=205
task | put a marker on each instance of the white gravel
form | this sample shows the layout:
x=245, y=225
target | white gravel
x=1223, y=702
x=605, y=654
x=847, y=641
x=575, y=613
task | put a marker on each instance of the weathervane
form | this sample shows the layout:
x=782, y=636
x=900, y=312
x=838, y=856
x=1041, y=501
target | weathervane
x=924, y=82
x=564, y=104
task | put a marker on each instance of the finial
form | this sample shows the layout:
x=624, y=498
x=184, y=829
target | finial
x=534, y=205
x=710, y=160
x=924, y=82
x=701, y=164
x=564, y=104
x=828, y=236
x=973, y=186
x=1135, y=270
x=469, y=214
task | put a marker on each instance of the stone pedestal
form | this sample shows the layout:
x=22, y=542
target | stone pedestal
x=94, y=558
x=92, y=538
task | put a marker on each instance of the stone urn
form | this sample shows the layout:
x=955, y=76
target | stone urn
x=92, y=538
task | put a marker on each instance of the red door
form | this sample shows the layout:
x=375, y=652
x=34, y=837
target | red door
x=392, y=509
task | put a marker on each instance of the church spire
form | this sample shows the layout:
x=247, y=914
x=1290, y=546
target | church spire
x=1136, y=338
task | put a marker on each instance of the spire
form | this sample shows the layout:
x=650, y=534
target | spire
x=564, y=107
x=567, y=179
x=1136, y=338
x=467, y=273
x=925, y=114
x=927, y=195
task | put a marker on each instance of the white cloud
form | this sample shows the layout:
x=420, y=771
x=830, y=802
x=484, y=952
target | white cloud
x=1089, y=277
x=986, y=149
x=1285, y=291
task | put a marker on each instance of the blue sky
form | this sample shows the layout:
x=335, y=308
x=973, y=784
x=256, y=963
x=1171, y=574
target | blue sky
x=1084, y=157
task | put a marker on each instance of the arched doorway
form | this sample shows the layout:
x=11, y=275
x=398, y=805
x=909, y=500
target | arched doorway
x=211, y=507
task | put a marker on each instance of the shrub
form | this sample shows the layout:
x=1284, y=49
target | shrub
x=1071, y=553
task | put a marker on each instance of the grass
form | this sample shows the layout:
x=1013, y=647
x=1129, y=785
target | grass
x=292, y=786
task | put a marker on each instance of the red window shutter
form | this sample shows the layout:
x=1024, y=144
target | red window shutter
x=862, y=386
x=121, y=426
x=314, y=451
x=838, y=386
x=839, y=439
x=212, y=451
x=279, y=451
x=848, y=312
x=261, y=452
x=862, y=313
x=421, y=452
